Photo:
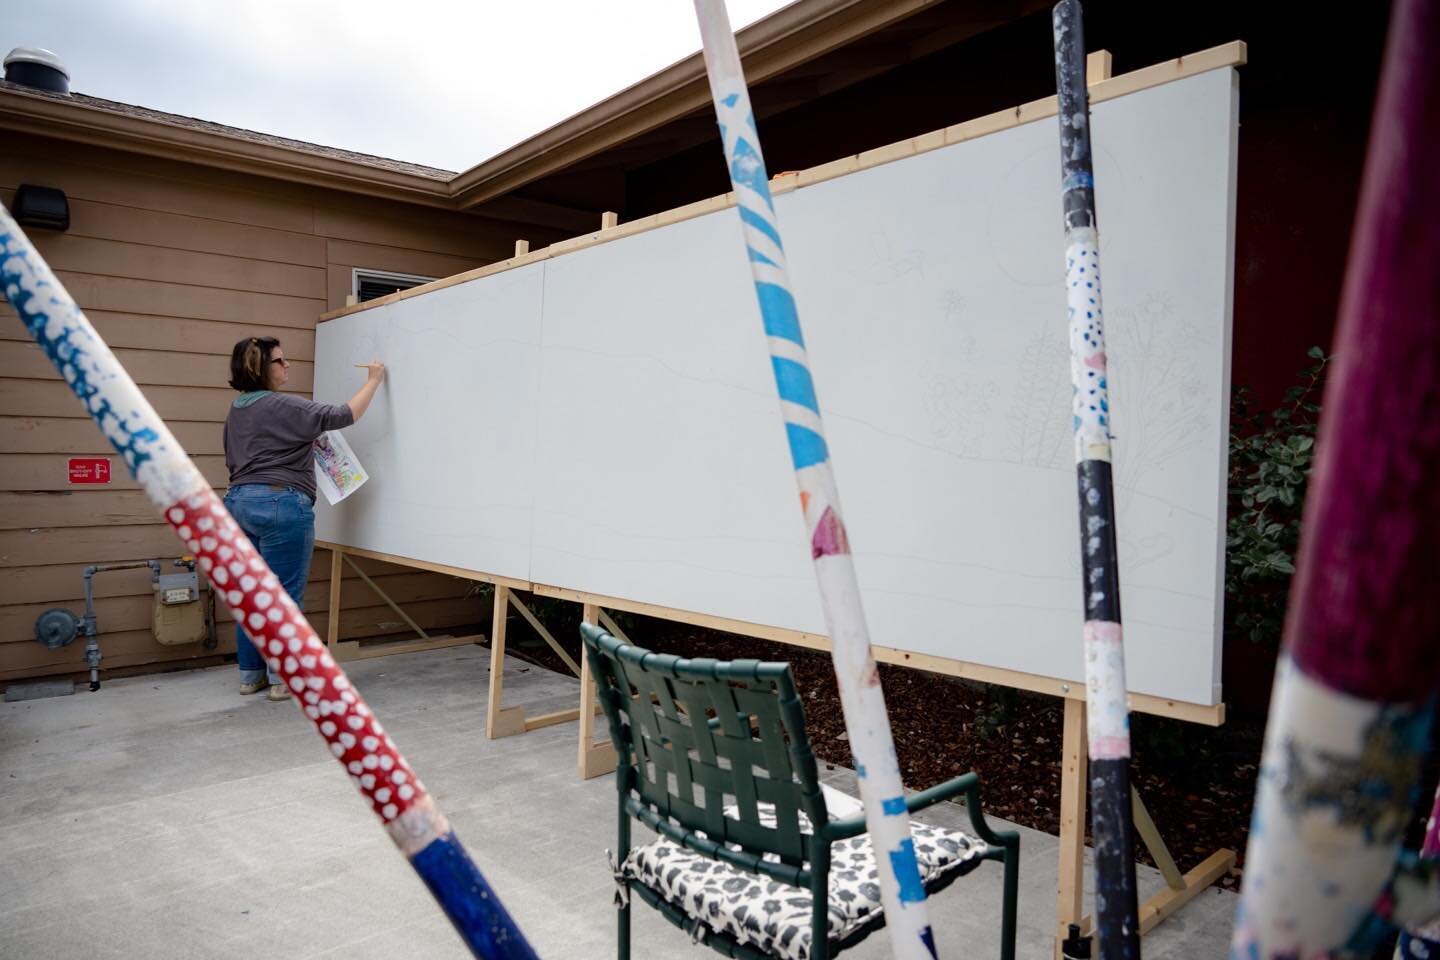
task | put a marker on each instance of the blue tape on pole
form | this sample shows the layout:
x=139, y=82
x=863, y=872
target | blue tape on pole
x=465, y=896
x=794, y=383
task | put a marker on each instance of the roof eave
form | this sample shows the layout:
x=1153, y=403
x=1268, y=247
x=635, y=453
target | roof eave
x=797, y=33
x=81, y=123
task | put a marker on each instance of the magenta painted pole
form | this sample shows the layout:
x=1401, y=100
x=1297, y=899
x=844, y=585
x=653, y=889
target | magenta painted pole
x=1422, y=941
x=1350, y=718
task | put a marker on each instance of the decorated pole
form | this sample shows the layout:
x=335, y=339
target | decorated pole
x=273, y=621
x=1108, y=718
x=866, y=721
x=1355, y=690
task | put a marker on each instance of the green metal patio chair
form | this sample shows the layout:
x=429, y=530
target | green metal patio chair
x=713, y=756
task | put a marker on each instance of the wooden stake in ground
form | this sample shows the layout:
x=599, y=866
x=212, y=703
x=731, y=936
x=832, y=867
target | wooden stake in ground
x=1354, y=694
x=272, y=619
x=861, y=699
x=1108, y=728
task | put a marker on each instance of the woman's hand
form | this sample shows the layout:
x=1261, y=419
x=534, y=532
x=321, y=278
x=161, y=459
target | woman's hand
x=375, y=372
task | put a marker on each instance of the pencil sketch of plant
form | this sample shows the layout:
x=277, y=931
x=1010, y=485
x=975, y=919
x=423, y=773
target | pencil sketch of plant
x=1161, y=401
x=1040, y=426
x=889, y=263
x=956, y=397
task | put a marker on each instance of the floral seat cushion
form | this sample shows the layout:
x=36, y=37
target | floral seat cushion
x=774, y=917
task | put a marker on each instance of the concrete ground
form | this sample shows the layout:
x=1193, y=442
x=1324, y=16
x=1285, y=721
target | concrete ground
x=168, y=817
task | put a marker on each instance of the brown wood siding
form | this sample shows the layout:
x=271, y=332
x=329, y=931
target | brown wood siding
x=173, y=263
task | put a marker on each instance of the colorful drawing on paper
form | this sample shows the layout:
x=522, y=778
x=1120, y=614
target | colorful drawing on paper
x=337, y=470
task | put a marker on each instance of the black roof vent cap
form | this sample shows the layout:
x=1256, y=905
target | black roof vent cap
x=37, y=68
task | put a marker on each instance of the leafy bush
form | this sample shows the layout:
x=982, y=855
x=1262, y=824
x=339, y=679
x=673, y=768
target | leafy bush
x=1270, y=461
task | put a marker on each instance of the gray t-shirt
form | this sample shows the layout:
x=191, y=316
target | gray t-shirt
x=268, y=440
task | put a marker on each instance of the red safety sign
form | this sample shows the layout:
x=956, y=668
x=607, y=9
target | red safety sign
x=89, y=469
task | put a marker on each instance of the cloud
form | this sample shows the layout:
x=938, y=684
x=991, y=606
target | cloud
x=430, y=81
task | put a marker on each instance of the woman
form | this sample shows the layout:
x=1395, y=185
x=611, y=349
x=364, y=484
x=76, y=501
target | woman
x=272, y=482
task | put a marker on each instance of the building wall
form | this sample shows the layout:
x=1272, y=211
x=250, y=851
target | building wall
x=173, y=263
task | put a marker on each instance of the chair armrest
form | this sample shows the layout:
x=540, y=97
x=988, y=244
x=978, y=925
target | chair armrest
x=968, y=784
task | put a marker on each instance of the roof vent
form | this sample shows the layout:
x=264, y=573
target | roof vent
x=37, y=68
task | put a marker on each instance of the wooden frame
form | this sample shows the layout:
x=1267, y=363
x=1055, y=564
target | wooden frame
x=595, y=758
x=1070, y=905
x=343, y=650
x=502, y=721
x=592, y=759
x=1232, y=54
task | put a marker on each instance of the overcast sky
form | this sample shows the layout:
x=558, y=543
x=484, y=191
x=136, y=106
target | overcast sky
x=440, y=82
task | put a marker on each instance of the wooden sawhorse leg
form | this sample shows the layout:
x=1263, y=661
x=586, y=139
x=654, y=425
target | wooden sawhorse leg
x=332, y=625
x=593, y=758
x=500, y=722
x=1179, y=889
x=503, y=721
x=1074, y=768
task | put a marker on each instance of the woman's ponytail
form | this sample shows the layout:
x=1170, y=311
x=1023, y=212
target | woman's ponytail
x=249, y=362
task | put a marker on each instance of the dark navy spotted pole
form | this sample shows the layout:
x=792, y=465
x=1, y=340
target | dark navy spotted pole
x=1108, y=731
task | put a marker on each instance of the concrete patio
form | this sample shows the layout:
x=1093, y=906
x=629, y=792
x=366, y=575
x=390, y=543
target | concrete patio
x=167, y=817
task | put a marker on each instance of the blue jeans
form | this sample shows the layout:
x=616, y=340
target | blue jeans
x=280, y=522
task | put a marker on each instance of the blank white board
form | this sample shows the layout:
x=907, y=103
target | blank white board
x=625, y=437
x=449, y=439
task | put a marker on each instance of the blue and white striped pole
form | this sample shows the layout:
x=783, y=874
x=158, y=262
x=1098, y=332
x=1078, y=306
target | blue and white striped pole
x=866, y=721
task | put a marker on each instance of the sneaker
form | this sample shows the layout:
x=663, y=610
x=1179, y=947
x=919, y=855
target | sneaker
x=278, y=691
x=254, y=686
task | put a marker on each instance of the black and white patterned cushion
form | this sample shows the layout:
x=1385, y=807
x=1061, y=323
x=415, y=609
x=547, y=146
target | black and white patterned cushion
x=774, y=917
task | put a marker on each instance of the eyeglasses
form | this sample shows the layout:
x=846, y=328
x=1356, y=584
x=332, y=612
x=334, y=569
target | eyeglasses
x=281, y=360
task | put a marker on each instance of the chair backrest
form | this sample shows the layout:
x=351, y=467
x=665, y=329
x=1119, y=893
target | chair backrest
x=694, y=736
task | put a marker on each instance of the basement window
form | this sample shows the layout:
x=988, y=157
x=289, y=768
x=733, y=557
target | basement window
x=373, y=284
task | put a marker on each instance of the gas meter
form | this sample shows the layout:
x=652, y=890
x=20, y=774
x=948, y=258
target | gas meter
x=179, y=615
x=182, y=612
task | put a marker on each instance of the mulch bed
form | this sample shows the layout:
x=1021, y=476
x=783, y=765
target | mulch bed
x=1197, y=782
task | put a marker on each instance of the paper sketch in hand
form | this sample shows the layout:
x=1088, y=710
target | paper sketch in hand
x=337, y=472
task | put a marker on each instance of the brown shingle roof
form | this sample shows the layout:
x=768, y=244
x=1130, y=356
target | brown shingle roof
x=239, y=133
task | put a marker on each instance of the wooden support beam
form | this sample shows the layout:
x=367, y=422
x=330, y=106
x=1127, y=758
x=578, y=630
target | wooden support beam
x=1179, y=890
x=522, y=247
x=609, y=220
x=332, y=626
x=593, y=758
x=1150, y=836
x=1212, y=716
x=412, y=562
x=500, y=722
x=352, y=650
x=1098, y=65
x=1074, y=765
x=550, y=719
x=508, y=722
x=386, y=597
x=1167, y=901
x=1163, y=904
x=614, y=628
x=545, y=635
